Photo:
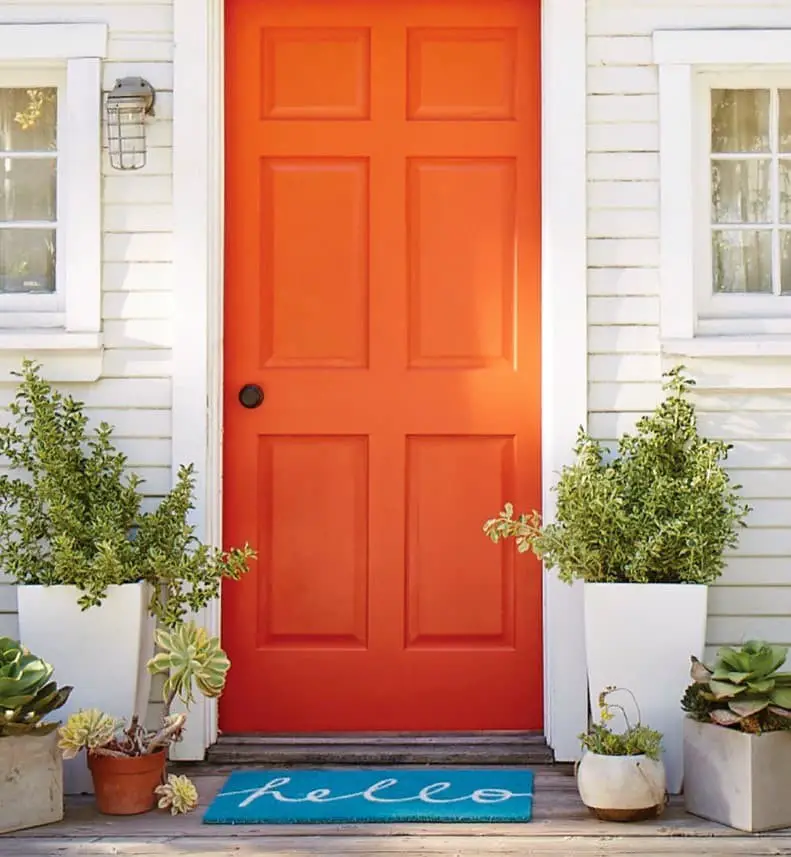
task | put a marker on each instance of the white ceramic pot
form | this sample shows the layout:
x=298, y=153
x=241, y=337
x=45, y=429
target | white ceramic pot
x=737, y=779
x=101, y=652
x=622, y=788
x=640, y=637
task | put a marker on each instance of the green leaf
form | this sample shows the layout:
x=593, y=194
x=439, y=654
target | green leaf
x=748, y=707
x=723, y=674
x=724, y=717
x=781, y=696
x=762, y=686
x=722, y=690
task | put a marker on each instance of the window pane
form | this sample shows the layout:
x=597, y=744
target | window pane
x=740, y=191
x=27, y=260
x=28, y=119
x=784, y=191
x=27, y=188
x=785, y=120
x=740, y=120
x=742, y=261
x=785, y=262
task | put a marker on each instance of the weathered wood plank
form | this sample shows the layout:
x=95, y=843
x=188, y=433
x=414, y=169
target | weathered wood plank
x=561, y=826
x=404, y=846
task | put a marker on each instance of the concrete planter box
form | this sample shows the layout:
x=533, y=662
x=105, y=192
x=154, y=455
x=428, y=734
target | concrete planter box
x=733, y=778
x=101, y=652
x=640, y=636
x=31, y=781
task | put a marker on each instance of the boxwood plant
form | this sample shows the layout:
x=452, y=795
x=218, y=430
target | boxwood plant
x=660, y=509
x=71, y=513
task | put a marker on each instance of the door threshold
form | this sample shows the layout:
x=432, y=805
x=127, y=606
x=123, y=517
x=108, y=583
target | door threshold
x=382, y=748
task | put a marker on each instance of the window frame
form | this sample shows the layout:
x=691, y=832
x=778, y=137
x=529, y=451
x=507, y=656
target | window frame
x=693, y=320
x=75, y=51
x=712, y=306
x=53, y=77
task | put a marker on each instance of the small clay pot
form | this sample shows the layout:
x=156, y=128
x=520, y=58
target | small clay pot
x=125, y=786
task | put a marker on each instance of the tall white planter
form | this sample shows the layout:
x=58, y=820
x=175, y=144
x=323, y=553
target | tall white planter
x=101, y=652
x=641, y=636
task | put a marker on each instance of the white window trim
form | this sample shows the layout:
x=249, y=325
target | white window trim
x=683, y=58
x=78, y=50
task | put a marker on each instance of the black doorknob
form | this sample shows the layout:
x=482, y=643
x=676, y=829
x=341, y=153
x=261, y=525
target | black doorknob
x=251, y=396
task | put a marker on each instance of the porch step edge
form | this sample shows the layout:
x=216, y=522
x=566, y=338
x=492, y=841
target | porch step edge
x=369, y=750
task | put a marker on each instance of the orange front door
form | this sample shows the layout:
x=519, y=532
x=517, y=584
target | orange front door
x=382, y=289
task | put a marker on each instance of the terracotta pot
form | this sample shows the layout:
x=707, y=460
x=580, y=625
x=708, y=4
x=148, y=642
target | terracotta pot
x=126, y=786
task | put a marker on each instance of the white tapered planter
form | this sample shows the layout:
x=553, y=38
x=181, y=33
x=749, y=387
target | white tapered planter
x=640, y=637
x=101, y=652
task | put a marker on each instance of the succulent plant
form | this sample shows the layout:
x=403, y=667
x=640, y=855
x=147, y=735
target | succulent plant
x=89, y=730
x=102, y=735
x=178, y=794
x=27, y=694
x=743, y=689
x=635, y=740
x=189, y=655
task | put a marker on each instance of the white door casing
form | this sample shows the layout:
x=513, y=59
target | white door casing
x=198, y=198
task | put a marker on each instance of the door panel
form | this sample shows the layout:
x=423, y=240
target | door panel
x=382, y=286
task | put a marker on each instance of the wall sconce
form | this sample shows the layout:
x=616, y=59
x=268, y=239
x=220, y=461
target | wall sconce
x=128, y=104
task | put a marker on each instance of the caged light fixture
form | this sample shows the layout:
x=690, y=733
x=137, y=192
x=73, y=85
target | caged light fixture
x=128, y=104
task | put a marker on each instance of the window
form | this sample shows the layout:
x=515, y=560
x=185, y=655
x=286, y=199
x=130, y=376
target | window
x=29, y=196
x=725, y=187
x=50, y=192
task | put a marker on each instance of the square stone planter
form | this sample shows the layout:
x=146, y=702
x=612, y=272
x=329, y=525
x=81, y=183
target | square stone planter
x=740, y=780
x=31, y=781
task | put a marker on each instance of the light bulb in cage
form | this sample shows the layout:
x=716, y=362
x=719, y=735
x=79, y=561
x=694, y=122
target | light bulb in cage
x=128, y=104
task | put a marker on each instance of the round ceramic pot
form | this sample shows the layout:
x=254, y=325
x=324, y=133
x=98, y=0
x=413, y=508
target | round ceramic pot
x=125, y=786
x=622, y=788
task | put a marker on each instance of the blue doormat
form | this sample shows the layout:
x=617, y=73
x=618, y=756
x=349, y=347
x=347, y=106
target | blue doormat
x=373, y=795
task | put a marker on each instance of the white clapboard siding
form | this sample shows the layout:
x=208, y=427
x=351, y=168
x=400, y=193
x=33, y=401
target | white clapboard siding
x=134, y=393
x=747, y=403
x=130, y=276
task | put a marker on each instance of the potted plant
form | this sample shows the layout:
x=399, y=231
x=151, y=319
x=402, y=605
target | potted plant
x=127, y=761
x=646, y=528
x=31, y=773
x=91, y=566
x=737, y=738
x=621, y=776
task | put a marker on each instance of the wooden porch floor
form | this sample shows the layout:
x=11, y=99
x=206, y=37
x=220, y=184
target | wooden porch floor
x=561, y=826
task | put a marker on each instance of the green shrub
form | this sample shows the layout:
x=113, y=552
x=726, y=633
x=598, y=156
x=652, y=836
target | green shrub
x=70, y=514
x=660, y=510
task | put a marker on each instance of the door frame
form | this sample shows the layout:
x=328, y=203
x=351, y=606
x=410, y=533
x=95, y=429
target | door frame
x=198, y=285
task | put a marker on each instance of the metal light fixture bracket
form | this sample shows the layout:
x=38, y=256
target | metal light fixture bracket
x=128, y=104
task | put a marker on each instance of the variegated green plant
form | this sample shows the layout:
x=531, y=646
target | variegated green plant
x=743, y=689
x=27, y=694
x=189, y=656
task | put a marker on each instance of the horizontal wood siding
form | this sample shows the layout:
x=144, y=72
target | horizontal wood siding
x=134, y=393
x=748, y=404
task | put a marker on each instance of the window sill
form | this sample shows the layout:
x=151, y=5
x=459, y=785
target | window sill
x=64, y=356
x=729, y=346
